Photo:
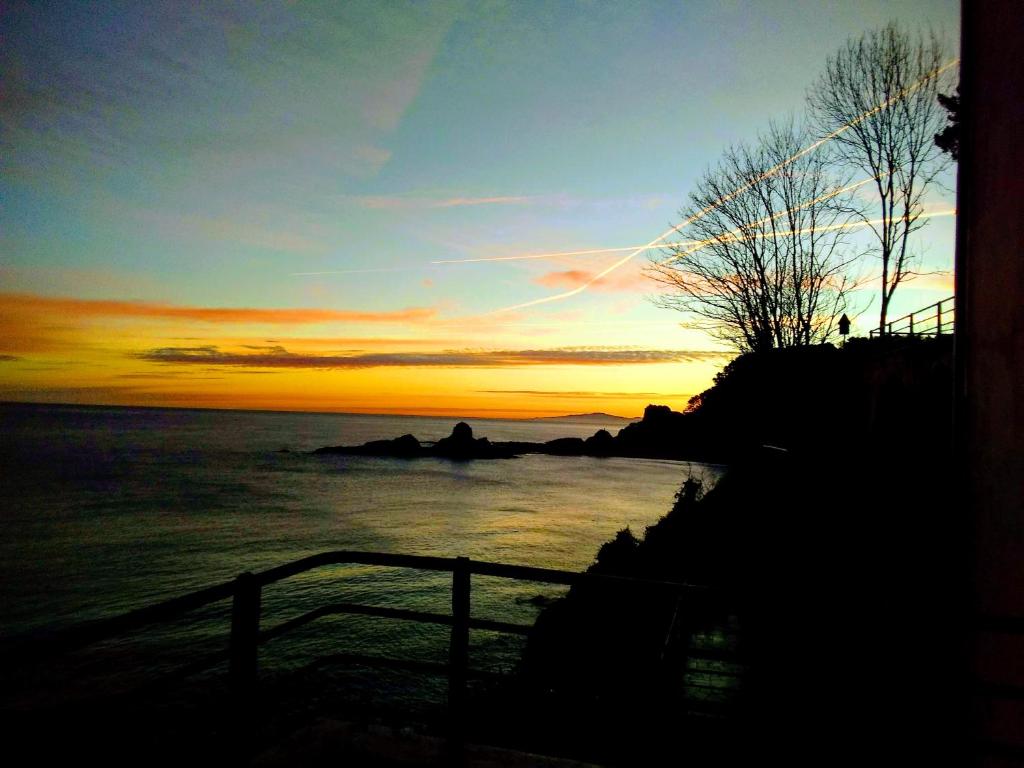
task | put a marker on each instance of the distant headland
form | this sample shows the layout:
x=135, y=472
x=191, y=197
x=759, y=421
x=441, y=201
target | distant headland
x=598, y=417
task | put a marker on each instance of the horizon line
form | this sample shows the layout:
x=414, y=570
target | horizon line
x=302, y=411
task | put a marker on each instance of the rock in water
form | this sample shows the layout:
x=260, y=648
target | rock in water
x=460, y=444
x=462, y=432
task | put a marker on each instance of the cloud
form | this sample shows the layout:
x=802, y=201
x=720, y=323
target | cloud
x=78, y=308
x=167, y=376
x=567, y=277
x=351, y=342
x=8, y=358
x=366, y=160
x=409, y=38
x=933, y=281
x=457, y=202
x=279, y=357
x=595, y=395
x=574, y=278
x=198, y=78
x=403, y=203
x=553, y=200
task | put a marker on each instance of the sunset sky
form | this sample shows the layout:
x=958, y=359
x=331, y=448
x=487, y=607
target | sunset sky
x=243, y=206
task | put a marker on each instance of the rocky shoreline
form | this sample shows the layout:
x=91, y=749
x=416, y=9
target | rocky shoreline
x=656, y=436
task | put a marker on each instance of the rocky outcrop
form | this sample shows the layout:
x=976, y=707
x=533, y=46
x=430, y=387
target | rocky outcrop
x=405, y=447
x=462, y=446
x=459, y=446
x=657, y=436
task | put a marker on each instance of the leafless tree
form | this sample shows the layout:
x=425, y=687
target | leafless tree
x=877, y=99
x=766, y=263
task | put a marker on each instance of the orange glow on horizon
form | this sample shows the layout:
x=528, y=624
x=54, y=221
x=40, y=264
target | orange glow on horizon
x=145, y=354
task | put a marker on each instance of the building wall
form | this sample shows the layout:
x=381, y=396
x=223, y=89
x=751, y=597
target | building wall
x=990, y=352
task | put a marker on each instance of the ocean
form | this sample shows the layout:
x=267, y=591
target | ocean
x=110, y=509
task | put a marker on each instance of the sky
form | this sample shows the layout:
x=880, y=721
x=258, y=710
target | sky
x=237, y=205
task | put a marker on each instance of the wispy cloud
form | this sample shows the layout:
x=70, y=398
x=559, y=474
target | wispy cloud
x=573, y=278
x=279, y=357
x=78, y=308
x=366, y=160
x=595, y=395
x=8, y=358
x=547, y=255
x=558, y=200
x=412, y=202
x=932, y=281
x=373, y=270
x=167, y=376
x=359, y=343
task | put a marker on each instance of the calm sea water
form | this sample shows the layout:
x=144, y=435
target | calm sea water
x=108, y=509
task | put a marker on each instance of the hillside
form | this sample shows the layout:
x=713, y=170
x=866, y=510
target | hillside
x=589, y=418
x=808, y=559
x=808, y=399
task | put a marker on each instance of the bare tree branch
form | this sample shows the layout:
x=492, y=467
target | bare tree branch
x=771, y=267
x=884, y=88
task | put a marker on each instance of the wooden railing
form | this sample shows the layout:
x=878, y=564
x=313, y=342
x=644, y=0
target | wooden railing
x=934, y=320
x=246, y=634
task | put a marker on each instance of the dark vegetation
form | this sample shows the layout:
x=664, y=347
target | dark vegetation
x=819, y=398
x=948, y=139
x=829, y=565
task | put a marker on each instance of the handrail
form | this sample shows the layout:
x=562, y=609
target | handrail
x=245, y=591
x=477, y=567
x=941, y=324
x=246, y=636
x=50, y=643
x=352, y=557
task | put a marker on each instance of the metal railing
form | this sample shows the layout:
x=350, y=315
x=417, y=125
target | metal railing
x=934, y=320
x=246, y=634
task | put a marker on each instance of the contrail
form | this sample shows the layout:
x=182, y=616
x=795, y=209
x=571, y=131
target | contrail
x=483, y=259
x=579, y=289
x=738, y=235
x=523, y=257
x=725, y=198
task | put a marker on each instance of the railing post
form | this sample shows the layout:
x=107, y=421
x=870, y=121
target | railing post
x=938, y=319
x=245, y=630
x=458, y=660
x=911, y=323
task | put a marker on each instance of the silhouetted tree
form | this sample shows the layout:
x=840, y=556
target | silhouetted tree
x=767, y=266
x=948, y=139
x=877, y=100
